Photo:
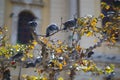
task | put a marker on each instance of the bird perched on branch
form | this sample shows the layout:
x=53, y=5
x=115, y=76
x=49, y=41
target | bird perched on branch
x=70, y=24
x=32, y=63
x=90, y=54
x=51, y=29
x=17, y=56
x=32, y=24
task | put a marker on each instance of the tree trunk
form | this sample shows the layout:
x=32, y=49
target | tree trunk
x=72, y=74
x=1, y=76
x=20, y=69
x=52, y=75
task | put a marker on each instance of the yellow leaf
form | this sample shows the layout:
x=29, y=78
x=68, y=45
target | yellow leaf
x=60, y=66
x=23, y=58
x=103, y=3
x=95, y=29
x=79, y=21
x=64, y=62
x=112, y=66
x=34, y=42
x=5, y=28
x=1, y=54
x=93, y=24
x=75, y=65
x=59, y=50
x=31, y=46
x=107, y=7
x=60, y=78
x=94, y=20
x=95, y=41
x=78, y=48
x=24, y=76
x=59, y=42
x=30, y=55
x=118, y=17
x=7, y=56
x=90, y=33
x=45, y=40
x=85, y=62
x=34, y=78
x=85, y=69
x=68, y=72
x=44, y=78
x=113, y=40
x=102, y=15
x=49, y=45
x=1, y=32
x=90, y=78
x=108, y=69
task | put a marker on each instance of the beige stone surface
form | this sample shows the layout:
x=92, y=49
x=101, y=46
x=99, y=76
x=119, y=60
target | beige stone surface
x=51, y=12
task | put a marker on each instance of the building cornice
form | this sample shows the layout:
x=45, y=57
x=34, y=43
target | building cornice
x=31, y=2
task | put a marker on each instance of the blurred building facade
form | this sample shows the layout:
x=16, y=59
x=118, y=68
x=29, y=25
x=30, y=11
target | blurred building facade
x=51, y=11
x=46, y=12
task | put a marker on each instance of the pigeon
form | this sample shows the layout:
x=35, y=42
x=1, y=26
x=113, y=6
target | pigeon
x=90, y=54
x=32, y=23
x=51, y=29
x=33, y=63
x=6, y=75
x=70, y=24
x=110, y=76
x=17, y=56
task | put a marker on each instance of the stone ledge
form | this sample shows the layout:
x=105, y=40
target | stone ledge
x=36, y=3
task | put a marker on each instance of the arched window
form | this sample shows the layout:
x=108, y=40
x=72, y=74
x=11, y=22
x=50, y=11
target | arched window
x=24, y=35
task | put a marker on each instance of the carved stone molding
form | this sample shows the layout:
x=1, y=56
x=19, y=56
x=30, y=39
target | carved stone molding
x=29, y=2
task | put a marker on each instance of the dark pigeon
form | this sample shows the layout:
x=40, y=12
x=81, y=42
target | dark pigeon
x=32, y=23
x=51, y=29
x=17, y=56
x=70, y=24
x=90, y=54
x=32, y=63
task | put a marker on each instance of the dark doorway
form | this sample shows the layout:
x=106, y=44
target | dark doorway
x=24, y=34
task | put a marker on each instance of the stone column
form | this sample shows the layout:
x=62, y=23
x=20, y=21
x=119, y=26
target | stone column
x=73, y=8
x=2, y=4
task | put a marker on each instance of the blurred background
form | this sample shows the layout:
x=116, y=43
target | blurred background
x=15, y=14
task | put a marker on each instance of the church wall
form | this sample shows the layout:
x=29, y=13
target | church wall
x=45, y=16
x=12, y=11
x=51, y=12
x=92, y=7
x=59, y=9
x=2, y=8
